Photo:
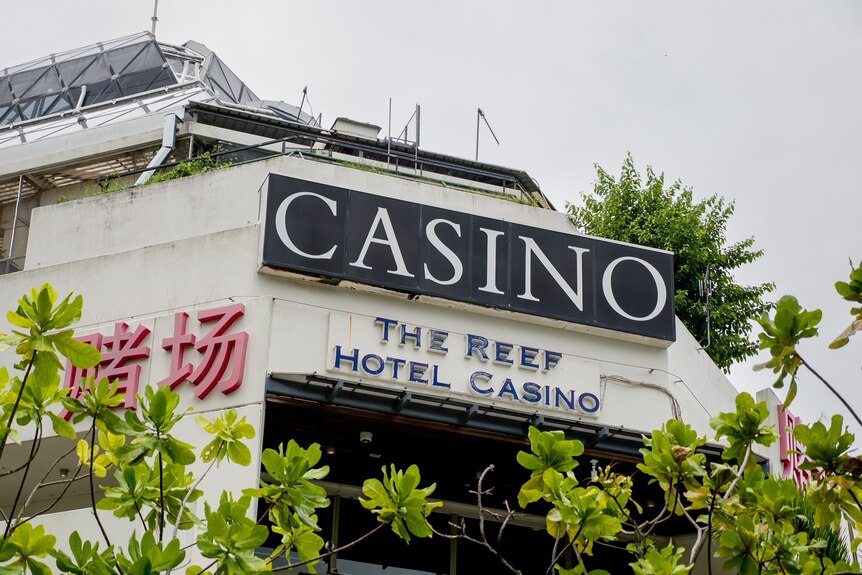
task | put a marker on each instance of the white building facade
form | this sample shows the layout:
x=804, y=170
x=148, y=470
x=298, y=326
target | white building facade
x=393, y=305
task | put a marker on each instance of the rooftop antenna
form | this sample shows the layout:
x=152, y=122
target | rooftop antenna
x=155, y=17
x=705, y=288
x=481, y=114
x=404, y=136
x=389, y=136
x=301, y=104
x=310, y=109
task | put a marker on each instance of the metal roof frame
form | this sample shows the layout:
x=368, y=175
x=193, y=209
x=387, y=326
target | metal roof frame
x=457, y=412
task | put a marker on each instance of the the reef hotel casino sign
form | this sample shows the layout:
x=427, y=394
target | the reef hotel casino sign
x=326, y=231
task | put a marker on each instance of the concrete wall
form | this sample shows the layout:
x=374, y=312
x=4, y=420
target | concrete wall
x=187, y=242
x=140, y=255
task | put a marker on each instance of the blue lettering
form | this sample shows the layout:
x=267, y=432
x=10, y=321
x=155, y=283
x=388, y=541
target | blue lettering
x=396, y=363
x=417, y=370
x=375, y=371
x=385, y=324
x=477, y=343
x=436, y=339
x=415, y=335
x=508, y=388
x=592, y=404
x=569, y=399
x=352, y=358
x=532, y=392
x=501, y=352
x=481, y=375
x=528, y=356
x=552, y=358
x=435, y=381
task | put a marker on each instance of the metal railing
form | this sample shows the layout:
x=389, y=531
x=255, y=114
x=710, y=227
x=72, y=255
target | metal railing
x=386, y=161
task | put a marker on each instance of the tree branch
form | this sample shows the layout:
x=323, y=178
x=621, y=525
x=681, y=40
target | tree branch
x=189, y=494
x=739, y=472
x=832, y=389
x=570, y=544
x=12, y=413
x=42, y=483
x=92, y=486
x=328, y=553
x=33, y=449
x=483, y=541
x=161, y=497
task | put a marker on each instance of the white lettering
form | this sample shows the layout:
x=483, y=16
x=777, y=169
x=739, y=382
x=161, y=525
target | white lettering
x=491, y=262
x=391, y=240
x=607, y=288
x=281, y=225
x=457, y=266
x=577, y=297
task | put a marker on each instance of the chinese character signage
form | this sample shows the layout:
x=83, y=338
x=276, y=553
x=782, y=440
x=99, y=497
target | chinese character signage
x=322, y=230
x=209, y=356
x=790, y=456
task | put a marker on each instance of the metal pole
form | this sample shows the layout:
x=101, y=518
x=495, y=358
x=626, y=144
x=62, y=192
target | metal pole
x=336, y=521
x=155, y=18
x=418, y=122
x=389, y=136
x=478, y=114
x=15, y=222
x=416, y=144
x=301, y=104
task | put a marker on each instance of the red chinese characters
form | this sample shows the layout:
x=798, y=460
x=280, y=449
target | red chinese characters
x=215, y=359
x=790, y=458
x=219, y=350
x=119, y=352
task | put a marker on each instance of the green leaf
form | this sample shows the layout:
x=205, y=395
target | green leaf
x=62, y=427
x=82, y=355
x=18, y=320
x=68, y=312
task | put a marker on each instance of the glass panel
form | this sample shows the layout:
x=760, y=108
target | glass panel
x=238, y=91
x=102, y=92
x=134, y=58
x=5, y=92
x=219, y=91
x=82, y=71
x=28, y=108
x=524, y=548
x=177, y=66
x=146, y=80
x=45, y=82
x=234, y=83
x=22, y=81
x=7, y=115
x=57, y=104
x=215, y=73
x=383, y=553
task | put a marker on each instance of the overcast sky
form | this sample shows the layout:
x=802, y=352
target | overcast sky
x=760, y=102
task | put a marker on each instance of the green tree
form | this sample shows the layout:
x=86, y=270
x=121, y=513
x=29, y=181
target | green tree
x=752, y=521
x=791, y=323
x=648, y=212
x=153, y=485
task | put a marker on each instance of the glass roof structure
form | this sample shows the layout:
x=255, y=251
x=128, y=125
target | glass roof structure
x=110, y=71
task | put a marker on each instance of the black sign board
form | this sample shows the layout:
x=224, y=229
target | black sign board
x=334, y=232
